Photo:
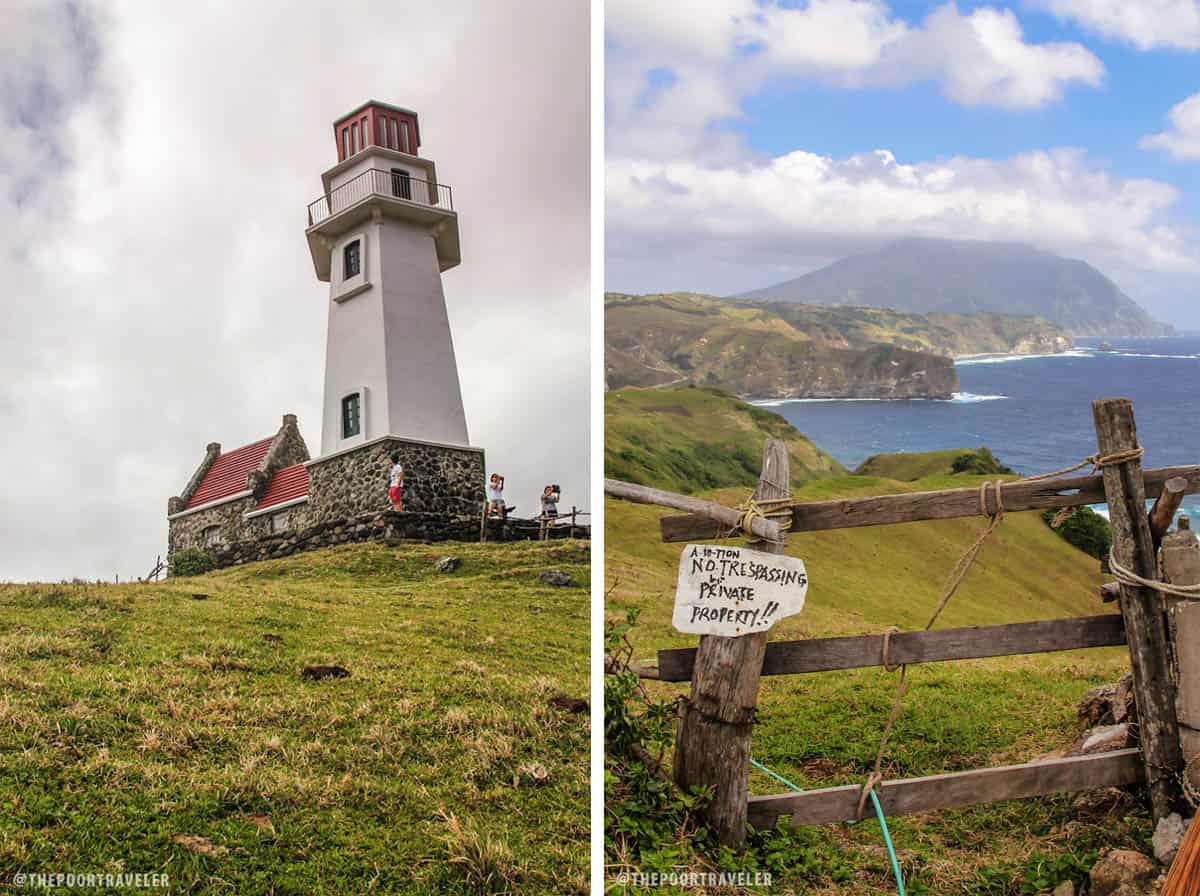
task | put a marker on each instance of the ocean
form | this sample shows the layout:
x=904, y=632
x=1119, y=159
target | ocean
x=1034, y=412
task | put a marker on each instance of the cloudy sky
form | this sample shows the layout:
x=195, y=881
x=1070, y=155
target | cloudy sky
x=750, y=141
x=155, y=164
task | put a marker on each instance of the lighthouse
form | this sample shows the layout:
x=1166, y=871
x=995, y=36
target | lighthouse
x=381, y=235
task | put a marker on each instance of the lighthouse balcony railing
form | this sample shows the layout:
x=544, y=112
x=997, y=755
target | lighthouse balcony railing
x=377, y=182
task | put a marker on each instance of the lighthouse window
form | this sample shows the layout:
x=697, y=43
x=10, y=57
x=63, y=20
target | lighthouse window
x=351, y=416
x=404, y=136
x=352, y=260
x=395, y=144
x=354, y=136
x=345, y=143
x=401, y=183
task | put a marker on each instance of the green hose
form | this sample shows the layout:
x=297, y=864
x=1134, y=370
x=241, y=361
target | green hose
x=887, y=837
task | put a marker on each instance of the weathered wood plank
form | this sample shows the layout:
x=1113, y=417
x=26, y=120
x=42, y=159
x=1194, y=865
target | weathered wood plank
x=905, y=796
x=1145, y=625
x=1162, y=514
x=712, y=742
x=813, y=516
x=976, y=642
x=722, y=518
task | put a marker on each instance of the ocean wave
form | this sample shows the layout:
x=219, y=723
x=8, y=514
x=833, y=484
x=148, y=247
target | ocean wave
x=1007, y=359
x=1120, y=354
x=972, y=398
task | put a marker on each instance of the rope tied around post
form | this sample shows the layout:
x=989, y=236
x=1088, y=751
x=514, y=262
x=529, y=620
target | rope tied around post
x=994, y=510
x=1128, y=577
x=772, y=509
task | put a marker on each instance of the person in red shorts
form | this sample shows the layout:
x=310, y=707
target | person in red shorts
x=396, y=483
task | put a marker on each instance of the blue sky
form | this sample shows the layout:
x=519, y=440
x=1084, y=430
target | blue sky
x=1048, y=102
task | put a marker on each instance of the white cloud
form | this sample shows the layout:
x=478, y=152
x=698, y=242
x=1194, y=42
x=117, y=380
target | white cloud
x=675, y=68
x=983, y=59
x=159, y=290
x=1182, y=139
x=777, y=216
x=1146, y=24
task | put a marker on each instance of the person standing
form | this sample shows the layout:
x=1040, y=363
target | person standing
x=550, y=498
x=396, y=483
x=495, y=495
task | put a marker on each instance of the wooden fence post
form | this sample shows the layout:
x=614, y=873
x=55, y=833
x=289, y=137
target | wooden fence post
x=712, y=745
x=1145, y=626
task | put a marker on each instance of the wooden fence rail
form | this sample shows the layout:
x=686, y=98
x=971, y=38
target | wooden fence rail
x=955, y=789
x=849, y=513
x=976, y=642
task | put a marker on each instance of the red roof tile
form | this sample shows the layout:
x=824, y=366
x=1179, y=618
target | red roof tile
x=227, y=475
x=290, y=482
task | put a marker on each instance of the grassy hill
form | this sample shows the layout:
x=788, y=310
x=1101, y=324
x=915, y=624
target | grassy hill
x=911, y=466
x=823, y=729
x=789, y=350
x=136, y=713
x=941, y=332
x=686, y=439
x=659, y=340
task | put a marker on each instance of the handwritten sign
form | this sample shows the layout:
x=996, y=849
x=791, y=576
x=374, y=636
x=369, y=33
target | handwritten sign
x=736, y=591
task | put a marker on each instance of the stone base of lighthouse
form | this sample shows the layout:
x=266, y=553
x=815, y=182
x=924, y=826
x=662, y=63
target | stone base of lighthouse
x=268, y=499
x=438, y=479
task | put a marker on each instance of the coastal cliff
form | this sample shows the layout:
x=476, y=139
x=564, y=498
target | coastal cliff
x=785, y=351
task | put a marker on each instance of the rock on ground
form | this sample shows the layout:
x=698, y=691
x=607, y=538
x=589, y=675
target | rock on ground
x=1066, y=888
x=1168, y=835
x=1103, y=739
x=448, y=564
x=555, y=577
x=1123, y=872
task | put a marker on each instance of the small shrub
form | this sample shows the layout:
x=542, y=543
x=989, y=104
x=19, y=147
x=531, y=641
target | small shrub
x=1085, y=529
x=192, y=562
x=981, y=463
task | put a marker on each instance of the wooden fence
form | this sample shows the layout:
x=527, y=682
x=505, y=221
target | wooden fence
x=715, y=724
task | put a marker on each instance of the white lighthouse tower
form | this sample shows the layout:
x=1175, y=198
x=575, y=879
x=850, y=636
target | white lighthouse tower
x=380, y=236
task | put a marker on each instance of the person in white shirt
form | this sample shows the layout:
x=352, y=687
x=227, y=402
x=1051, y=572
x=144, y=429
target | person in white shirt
x=495, y=495
x=396, y=483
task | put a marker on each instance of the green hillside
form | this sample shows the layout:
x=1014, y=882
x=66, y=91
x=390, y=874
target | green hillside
x=911, y=466
x=822, y=730
x=789, y=350
x=686, y=439
x=140, y=717
x=660, y=340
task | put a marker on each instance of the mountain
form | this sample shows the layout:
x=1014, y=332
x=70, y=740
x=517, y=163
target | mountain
x=928, y=275
x=777, y=350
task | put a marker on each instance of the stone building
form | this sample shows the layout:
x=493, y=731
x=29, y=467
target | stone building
x=381, y=234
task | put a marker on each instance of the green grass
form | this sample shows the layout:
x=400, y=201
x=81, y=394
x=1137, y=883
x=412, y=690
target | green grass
x=823, y=729
x=910, y=466
x=687, y=438
x=133, y=713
